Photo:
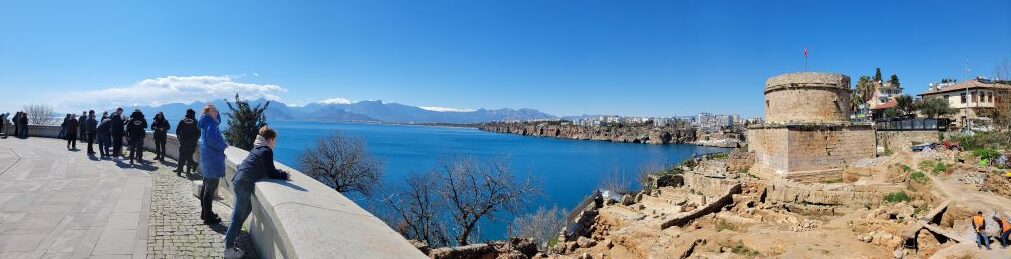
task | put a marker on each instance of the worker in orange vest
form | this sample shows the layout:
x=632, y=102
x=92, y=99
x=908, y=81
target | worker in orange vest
x=1005, y=229
x=979, y=224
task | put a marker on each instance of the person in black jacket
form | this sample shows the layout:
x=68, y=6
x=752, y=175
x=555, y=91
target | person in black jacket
x=116, y=129
x=160, y=126
x=81, y=121
x=258, y=165
x=104, y=136
x=24, y=124
x=189, y=134
x=90, y=128
x=73, y=126
x=135, y=129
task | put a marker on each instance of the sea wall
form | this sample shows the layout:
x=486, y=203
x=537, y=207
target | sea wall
x=625, y=134
x=300, y=218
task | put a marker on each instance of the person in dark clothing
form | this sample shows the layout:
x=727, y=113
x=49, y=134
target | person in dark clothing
x=104, y=136
x=81, y=120
x=258, y=165
x=135, y=129
x=188, y=134
x=63, y=128
x=73, y=126
x=3, y=125
x=116, y=129
x=160, y=126
x=90, y=129
x=14, y=122
x=24, y=124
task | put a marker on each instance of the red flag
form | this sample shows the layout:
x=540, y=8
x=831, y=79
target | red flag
x=805, y=52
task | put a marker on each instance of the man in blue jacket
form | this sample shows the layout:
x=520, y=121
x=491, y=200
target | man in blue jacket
x=212, y=161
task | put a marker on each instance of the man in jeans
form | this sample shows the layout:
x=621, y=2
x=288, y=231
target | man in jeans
x=258, y=165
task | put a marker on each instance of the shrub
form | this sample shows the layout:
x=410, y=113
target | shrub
x=896, y=197
x=906, y=168
x=986, y=153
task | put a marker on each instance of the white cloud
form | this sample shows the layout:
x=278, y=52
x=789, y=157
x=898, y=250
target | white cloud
x=335, y=100
x=444, y=109
x=170, y=89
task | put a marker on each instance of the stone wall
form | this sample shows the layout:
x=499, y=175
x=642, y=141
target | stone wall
x=807, y=105
x=814, y=149
x=770, y=146
x=810, y=153
x=903, y=140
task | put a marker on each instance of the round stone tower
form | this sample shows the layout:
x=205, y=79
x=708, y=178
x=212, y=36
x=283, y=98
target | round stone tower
x=807, y=97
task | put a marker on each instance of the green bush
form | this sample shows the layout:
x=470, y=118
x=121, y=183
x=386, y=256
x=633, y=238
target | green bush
x=986, y=153
x=897, y=197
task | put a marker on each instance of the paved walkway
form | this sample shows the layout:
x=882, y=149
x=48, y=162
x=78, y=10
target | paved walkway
x=56, y=203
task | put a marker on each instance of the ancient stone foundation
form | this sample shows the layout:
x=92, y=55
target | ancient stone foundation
x=807, y=135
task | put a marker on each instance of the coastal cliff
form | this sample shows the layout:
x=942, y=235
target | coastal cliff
x=625, y=134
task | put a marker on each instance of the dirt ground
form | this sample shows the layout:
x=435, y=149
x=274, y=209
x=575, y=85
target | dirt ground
x=862, y=216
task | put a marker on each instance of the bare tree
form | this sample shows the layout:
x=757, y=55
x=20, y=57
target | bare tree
x=40, y=114
x=417, y=211
x=543, y=225
x=343, y=164
x=616, y=181
x=474, y=191
x=646, y=170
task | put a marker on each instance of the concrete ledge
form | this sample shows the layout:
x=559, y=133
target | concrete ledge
x=298, y=218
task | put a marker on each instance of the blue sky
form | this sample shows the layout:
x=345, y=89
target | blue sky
x=655, y=58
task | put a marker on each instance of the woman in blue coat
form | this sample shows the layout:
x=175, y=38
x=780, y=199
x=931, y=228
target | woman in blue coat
x=212, y=161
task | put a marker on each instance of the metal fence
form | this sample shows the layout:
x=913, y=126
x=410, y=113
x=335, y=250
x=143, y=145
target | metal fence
x=912, y=124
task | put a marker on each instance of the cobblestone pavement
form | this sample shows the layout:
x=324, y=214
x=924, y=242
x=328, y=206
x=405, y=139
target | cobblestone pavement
x=175, y=229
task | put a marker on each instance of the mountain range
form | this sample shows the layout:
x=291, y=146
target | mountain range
x=362, y=111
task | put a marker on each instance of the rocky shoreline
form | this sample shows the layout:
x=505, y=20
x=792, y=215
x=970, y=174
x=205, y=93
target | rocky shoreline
x=623, y=134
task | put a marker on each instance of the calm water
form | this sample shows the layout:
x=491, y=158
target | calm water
x=567, y=170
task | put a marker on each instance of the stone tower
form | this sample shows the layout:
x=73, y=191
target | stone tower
x=807, y=98
x=807, y=135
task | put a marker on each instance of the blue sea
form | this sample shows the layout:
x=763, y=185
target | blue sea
x=567, y=170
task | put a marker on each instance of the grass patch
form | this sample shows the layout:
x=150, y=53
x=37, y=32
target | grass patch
x=926, y=165
x=986, y=153
x=741, y=249
x=553, y=241
x=918, y=176
x=906, y=168
x=833, y=181
x=720, y=226
x=940, y=168
x=896, y=197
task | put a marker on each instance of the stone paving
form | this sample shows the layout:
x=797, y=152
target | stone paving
x=56, y=203
x=176, y=230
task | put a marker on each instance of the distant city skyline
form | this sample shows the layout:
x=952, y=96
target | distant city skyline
x=566, y=58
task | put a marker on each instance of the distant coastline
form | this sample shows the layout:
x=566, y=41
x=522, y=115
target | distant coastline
x=621, y=133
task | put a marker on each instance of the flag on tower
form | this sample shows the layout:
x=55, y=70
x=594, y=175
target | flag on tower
x=805, y=52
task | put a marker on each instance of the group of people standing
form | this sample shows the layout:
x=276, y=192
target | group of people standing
x=19, y=121
x=109, y=131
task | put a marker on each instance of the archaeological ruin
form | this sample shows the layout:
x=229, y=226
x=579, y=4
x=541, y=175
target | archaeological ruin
x=807, y=135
